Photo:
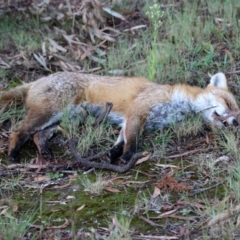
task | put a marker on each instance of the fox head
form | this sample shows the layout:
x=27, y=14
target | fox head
x=220, y=107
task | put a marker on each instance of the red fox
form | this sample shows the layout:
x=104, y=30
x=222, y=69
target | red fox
x=138, y=104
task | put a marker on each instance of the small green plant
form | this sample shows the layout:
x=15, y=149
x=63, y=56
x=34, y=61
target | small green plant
x=230, y=142
x=154, y=14
x=146, y=203
x=190, y=126
x=160, y=141
x=234, y=180
x=16, y=228
x=94, y=137
x=55, y=175
x=15, y=114
x=93, y=187
x=72, y=116
x=10, y=184
x=119, y=228
x=185, y=211
x=22, y=36
x=76, y=122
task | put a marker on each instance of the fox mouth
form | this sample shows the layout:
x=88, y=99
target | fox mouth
x=227, y=119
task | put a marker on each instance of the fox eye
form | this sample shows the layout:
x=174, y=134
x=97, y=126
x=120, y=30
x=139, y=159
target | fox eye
x=216, y=114
x=229, y=106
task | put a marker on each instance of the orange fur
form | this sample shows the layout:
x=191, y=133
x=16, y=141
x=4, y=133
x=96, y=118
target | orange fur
x=138, y=104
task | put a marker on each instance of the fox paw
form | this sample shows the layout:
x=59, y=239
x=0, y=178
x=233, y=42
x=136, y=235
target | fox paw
x=46, y=153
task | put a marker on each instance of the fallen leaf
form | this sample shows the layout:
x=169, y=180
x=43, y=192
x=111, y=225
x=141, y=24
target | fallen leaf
x=109, y=189
x=80, y=208
x=157, y=237
x=70, y=197
x=72, y=176
x=166, y=166
x=223, y=216
x=41, y=60
x=6, y=214
x=40, y=179
x=166, y=214
x=56, y=45
x=113, y=13
x=141, y=160
x=62, y=186
x=64, y=225
x=156, y=192
x=150, y=222
x=182, y=217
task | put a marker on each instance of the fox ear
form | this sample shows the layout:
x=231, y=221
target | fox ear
x=218, y=80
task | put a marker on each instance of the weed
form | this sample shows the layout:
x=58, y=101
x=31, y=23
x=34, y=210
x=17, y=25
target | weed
x=234, y=180
x=10, y=184
x=88, y=135
x=22, y=36
x=94, y=137
x=96, y=187
x=190, y=126
x=15, y=114
x=54, y=175
x=185, y=211
x=229, y=143
x=119, y=228
x=17, y=228
x=154, y=14
x=146, y=203
x=160, y=141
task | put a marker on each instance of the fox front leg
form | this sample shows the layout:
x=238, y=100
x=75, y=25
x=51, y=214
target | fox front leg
x=117, y=150
x=131, y=134
x=126, y=144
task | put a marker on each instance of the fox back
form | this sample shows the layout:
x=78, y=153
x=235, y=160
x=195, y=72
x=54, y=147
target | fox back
x=138, y=104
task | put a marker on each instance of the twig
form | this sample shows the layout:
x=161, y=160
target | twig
x=109, y=106
x=5, y=173
x=187, y=153
x=206, y=189
x=196, y=229
x=234, y=72
x=86, y=162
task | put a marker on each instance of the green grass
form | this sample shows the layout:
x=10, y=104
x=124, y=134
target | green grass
x=14, y=227
x=190, y=126
x=93, y=187
x=186, y=45
x=20, y=33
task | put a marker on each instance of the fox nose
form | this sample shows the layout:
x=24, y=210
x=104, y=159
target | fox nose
x=235, y=123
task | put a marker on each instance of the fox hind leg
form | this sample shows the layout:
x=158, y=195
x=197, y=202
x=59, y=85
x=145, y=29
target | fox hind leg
x=126, y=145
x=41, y=141
x=117, y=150
x=131, y=135
x=34, y=122
x=17, y=139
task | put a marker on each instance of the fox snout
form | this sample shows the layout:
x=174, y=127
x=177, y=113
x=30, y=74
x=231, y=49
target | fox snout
x=235, y=123
x=231, y=121
x=227, y=119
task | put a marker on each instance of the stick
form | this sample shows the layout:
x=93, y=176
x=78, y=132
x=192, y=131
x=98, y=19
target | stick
x=86, y=162
x=109, y=106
